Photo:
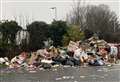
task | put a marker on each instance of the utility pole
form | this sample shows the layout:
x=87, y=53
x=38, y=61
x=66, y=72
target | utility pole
x=55, y=10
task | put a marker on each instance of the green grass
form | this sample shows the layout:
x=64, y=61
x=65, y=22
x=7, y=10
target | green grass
x=3, y=65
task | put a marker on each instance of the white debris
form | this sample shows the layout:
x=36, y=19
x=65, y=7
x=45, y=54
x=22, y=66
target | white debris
x=82, y=77
x=58, y=79
x=56, y=65
x=65, y=77
x=6, y=58
x=109, y=65
x=7, y=63
x=41, y=69
x=2, y=60
x=46, y=61
x=32, y=71
x=68, y=77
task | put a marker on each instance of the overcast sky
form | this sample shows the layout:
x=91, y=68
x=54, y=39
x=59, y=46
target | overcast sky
x=40, y=9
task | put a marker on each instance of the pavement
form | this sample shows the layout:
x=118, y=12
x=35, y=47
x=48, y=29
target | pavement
x=63, y=74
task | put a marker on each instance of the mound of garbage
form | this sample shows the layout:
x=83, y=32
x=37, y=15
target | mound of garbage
x=93, y=52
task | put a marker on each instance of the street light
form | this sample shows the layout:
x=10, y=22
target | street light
x=54, y=8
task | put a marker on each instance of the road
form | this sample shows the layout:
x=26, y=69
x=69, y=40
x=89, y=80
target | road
x=64, y=74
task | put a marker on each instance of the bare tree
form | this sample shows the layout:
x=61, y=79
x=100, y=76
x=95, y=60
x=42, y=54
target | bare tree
x=98, y=19
x=77, y=15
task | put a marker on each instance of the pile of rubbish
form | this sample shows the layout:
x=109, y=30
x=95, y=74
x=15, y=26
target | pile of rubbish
x=93, y=52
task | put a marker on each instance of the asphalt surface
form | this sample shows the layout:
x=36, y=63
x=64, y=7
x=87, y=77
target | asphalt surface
x=63, y=74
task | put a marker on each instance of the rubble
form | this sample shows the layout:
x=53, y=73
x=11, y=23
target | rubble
x=94, y=52
x=4, y=61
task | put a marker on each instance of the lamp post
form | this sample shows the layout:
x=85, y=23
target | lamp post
x=55, y=9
